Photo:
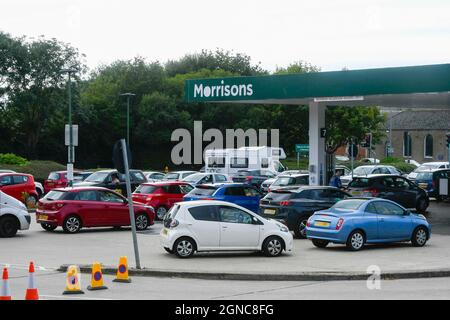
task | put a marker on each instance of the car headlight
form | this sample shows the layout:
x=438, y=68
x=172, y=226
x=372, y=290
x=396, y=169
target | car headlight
x=282, y=228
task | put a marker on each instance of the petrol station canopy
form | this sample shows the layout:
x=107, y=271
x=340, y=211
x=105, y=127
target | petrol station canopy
x=415, y=86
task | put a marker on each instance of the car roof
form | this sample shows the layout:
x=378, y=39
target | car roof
x=302, y=188
x=182, y=171
x=165, y=183
x=222, y=184
x=74, y=189
x=294, y=175
x=114, y=170
x=195, y=203
x=380, y=175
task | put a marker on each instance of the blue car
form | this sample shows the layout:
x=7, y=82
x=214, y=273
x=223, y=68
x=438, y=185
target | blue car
x=241, y=194
x=429, y=180
x=357, y=221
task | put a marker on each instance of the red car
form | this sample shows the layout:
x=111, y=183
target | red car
x=87, y=207
x=57, y=179
x=20, y=186
x=161, y=195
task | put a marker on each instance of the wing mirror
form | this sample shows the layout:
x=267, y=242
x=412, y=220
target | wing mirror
x=407, y=212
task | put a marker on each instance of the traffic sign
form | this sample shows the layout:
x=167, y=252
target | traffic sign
x=74, y=135
x=302, y=148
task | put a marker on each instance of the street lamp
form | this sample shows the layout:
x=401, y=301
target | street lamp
x=70, y=161
x=128, y=95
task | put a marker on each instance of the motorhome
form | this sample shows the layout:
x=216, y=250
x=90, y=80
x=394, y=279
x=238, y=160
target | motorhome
x=230, y=161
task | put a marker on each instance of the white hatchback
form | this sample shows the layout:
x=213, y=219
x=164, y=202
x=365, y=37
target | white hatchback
x=13, y=216
x=209, y=225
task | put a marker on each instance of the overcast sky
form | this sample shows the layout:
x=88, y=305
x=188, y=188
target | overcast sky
x=330, y=34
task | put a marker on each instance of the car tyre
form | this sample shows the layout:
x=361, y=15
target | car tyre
x=356, y=240
x=422, y=205
x=48, y=227
x=72, y=224
x=161, y=212
x=320, y=243
x=419, y=237
x=168, y=250
x=300, y=227
x=8, y=227
x=142, y=222
x=184, y=247
x=273, y=246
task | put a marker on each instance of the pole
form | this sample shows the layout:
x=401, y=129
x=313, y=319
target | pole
x=351, y=154
x=70, y=162
x=298, y=160
x=130, y=204
x=128, y=120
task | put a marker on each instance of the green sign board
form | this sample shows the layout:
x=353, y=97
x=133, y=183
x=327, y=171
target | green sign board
x=302, y=148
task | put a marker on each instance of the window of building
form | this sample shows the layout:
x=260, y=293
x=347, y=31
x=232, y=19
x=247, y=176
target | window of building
x=428, y=146
x=407, y=144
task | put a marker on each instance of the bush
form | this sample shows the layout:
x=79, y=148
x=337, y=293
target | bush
x=12, y=159
x=391, y=160
x=39, y=169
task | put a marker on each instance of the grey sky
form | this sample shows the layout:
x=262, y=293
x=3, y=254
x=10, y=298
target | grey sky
x=330, y=34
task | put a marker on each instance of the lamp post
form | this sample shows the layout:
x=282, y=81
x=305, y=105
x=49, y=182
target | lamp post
x=71, y=155
x=128, y=95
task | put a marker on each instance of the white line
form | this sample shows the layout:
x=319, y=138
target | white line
x=25, y=267
x=71, y=297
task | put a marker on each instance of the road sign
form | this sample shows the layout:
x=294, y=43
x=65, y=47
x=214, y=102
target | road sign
x=302, y=148
x=74, y=135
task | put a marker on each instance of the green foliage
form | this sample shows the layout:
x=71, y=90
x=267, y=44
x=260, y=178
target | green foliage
x=298, y=67
x=39, y=169
x=12, y=159
x=389, y=160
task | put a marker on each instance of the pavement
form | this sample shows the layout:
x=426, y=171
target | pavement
x=51, y=250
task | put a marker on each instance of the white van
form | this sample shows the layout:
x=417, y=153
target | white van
x=13, y=216
x=230, y=161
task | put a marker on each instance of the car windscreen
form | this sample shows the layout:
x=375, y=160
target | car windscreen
x=427, y=167
x=146, y=189
x=194, y=177
x=53, y=176
x=97, y=177
x=424, y=176
x=202, y=192
x=55, y=195
x=353, y=204
x=360, y=183
x=171, y=176
x=361, y=171
x=284, y=181
x=279, y=196
x=137, y=176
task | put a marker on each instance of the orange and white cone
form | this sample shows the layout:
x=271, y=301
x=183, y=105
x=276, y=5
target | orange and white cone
x=5, y=294
x=32, y=291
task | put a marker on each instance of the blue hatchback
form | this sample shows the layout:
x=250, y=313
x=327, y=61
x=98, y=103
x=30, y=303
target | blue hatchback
x=358, y=221
x=241, y=194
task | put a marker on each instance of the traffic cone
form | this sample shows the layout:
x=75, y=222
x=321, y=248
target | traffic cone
x=96, y=278
x=122, y=271
x=73, y=285
x=32, y=291
x=5, y=294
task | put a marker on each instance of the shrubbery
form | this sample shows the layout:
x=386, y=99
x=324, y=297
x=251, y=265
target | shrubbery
x=12, y=159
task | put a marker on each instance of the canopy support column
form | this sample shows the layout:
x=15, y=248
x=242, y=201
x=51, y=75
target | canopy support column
x=317, y=158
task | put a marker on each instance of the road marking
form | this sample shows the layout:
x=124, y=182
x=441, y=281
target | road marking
x=25, y=267
x=70, y=298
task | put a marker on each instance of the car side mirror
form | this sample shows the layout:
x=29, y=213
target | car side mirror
x=407, y=212
x=256, y=221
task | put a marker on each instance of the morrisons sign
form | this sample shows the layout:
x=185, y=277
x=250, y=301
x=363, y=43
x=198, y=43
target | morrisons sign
x=222, y=90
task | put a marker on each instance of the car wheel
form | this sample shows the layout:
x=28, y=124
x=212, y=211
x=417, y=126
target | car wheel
x=320, y=243
x=272, y=246
x=184, y=247
x=160, y=213
x=356, y=240
x=72, y=224
x=141, y=222
x=422, y=205
x=48, y=227
x=169, y=250
x=300, y=227
x=419, y=237
x=8, y=227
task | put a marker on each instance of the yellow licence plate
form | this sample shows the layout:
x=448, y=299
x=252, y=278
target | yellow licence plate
x=321, y=224
x=423, y=185
x=356, y=193
x=270, y=211
x=42, y=217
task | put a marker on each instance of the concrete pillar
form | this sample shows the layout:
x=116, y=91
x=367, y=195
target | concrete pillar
x=317, y=167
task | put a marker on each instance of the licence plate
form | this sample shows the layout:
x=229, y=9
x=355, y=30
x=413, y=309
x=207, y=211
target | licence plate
x=42, y=217
x=321, y=224
x=356, y=193
x=270, y=211
x=423, y=185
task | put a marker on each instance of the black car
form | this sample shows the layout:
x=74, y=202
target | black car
x=293, y=206
x=392, y=187
x=253, y=177
x=113, y=180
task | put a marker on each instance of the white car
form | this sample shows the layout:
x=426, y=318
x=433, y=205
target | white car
x=207, y=178
x=428, y=166
x=154, y=176
x=14, y=216
x=209, y=225
x=177, y=175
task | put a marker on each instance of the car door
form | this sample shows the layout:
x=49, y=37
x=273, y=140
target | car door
x=114, y=210
x=236, y=195
x=7, y=186
x=253, y=197
x=88, y=207
x=237, y=229
x=205, y=226
x=371, y=222
x=393, y=224
x=406, y=193
x=174, y=194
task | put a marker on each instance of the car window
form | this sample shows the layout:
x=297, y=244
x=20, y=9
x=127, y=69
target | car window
x=385, y=170
x=401, y=184
x=156, y=176
x=221, y=178
x=55, y=195
x=186, y=174
x=371, y=208
x=5, y=180
x=204, y=213
x=303, y=180
x=53, y=176
x=137, y=176
x=207, y=179
x=360, y=183
x=388, y=208
x=171, y=176
x=106, y=196
x=144, y=189
x=20, y=179
x=250, y=192
x=388, y=182
x=234, y=191
x=88, y=195
x=337, y=195
x=173, y=189
x=186, y=188
x=234, y=215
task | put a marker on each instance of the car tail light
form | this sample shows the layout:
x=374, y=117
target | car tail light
x=57, y=206
x=249, y=178
x=149, y=198
x=339, y=224
x=373, y=192
x=434, y=184
x=285, y=203
x=308, y=223
x=174, y=223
